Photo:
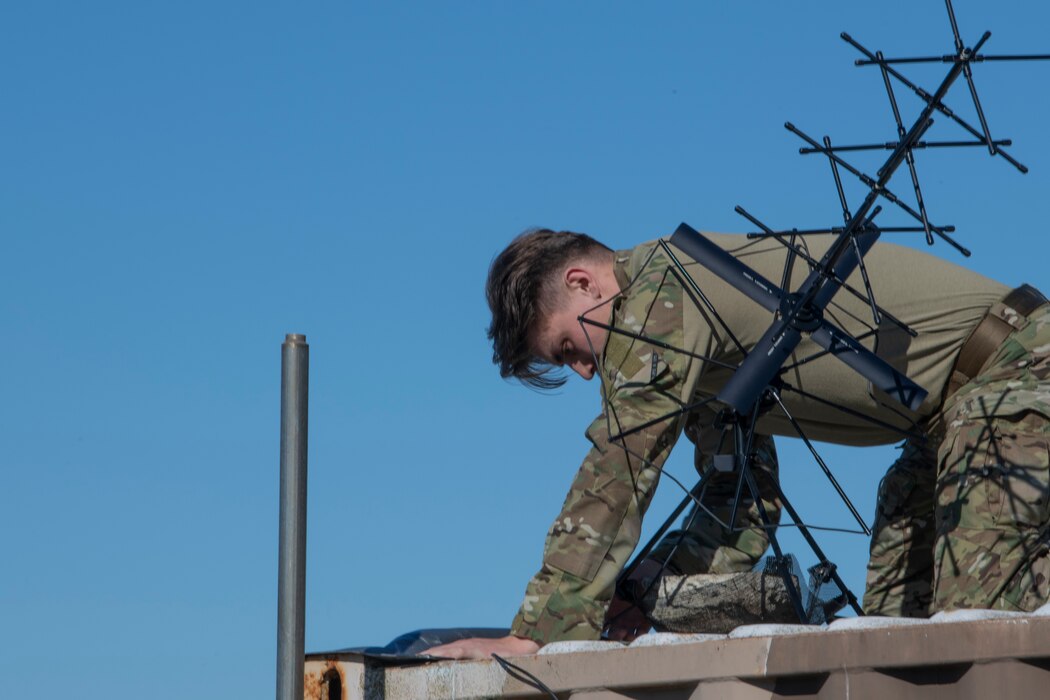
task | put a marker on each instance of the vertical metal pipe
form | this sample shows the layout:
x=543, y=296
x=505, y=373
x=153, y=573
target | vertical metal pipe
x=291, y=566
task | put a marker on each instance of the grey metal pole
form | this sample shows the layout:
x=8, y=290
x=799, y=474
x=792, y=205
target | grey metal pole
x=291, y=567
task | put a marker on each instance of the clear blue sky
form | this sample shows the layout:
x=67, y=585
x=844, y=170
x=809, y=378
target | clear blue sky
x=185, y=183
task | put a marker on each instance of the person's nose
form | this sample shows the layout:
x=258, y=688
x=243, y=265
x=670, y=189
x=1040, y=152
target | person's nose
x=584, y=368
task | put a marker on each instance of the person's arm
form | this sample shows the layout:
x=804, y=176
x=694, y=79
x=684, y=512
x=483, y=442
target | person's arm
x=598, y=527
x=600, y=521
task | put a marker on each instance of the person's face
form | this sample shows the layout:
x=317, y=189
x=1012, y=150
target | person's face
x=563, y=340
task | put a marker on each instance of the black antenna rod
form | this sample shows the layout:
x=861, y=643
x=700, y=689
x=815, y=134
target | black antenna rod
x=955, y=27
x=910, y=155
x=890, y=145
x=876, y=317
x=839, y=229
x=952, y=58
x=1014, y=57
x=973, y=91
x=846, y=216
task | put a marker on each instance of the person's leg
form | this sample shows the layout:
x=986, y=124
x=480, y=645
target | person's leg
x=992, y=510
x=703, y=545
x=993, y=485
x=900, y=567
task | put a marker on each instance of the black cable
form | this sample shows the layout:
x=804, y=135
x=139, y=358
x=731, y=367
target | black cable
x=521, y=675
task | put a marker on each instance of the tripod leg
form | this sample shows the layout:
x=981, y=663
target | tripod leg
x=631, y=594
x=794, y=591
x=742, y=455
x=821, y=557
x=694, y=496
x=743, y=446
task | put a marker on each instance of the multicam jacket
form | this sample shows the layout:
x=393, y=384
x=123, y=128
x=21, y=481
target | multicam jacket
x=670, y=350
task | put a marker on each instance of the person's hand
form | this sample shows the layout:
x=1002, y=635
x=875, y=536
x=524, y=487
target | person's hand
x=481, y=648
x=625, y=619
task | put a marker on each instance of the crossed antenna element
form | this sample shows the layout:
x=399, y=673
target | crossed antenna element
x=757, y=383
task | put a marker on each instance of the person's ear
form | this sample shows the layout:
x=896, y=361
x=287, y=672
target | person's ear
x=580, y=279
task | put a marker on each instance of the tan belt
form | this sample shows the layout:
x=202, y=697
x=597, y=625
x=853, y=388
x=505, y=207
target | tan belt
x=991, y=332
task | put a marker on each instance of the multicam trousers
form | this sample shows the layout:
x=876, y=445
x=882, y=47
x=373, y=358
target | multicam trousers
x=703, y=545
x=963, y=519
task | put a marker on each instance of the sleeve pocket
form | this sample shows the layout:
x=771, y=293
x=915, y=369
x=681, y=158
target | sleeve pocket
x=587, y=525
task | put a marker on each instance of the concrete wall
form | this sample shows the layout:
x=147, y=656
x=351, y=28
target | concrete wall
x=965, y=654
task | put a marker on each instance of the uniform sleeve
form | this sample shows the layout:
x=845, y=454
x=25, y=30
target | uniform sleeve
x=599, y=525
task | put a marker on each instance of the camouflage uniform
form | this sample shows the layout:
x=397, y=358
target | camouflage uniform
x=989, y=548
x=900, y=568
x=598, y=528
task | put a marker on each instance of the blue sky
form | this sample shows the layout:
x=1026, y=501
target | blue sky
x=185, y=183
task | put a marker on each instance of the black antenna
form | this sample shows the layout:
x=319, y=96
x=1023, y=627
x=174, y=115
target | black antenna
x=759, y=380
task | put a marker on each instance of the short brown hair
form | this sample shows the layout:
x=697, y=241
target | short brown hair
x=520, y=291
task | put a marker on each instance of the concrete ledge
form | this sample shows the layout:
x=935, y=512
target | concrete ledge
x=1007, y=657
